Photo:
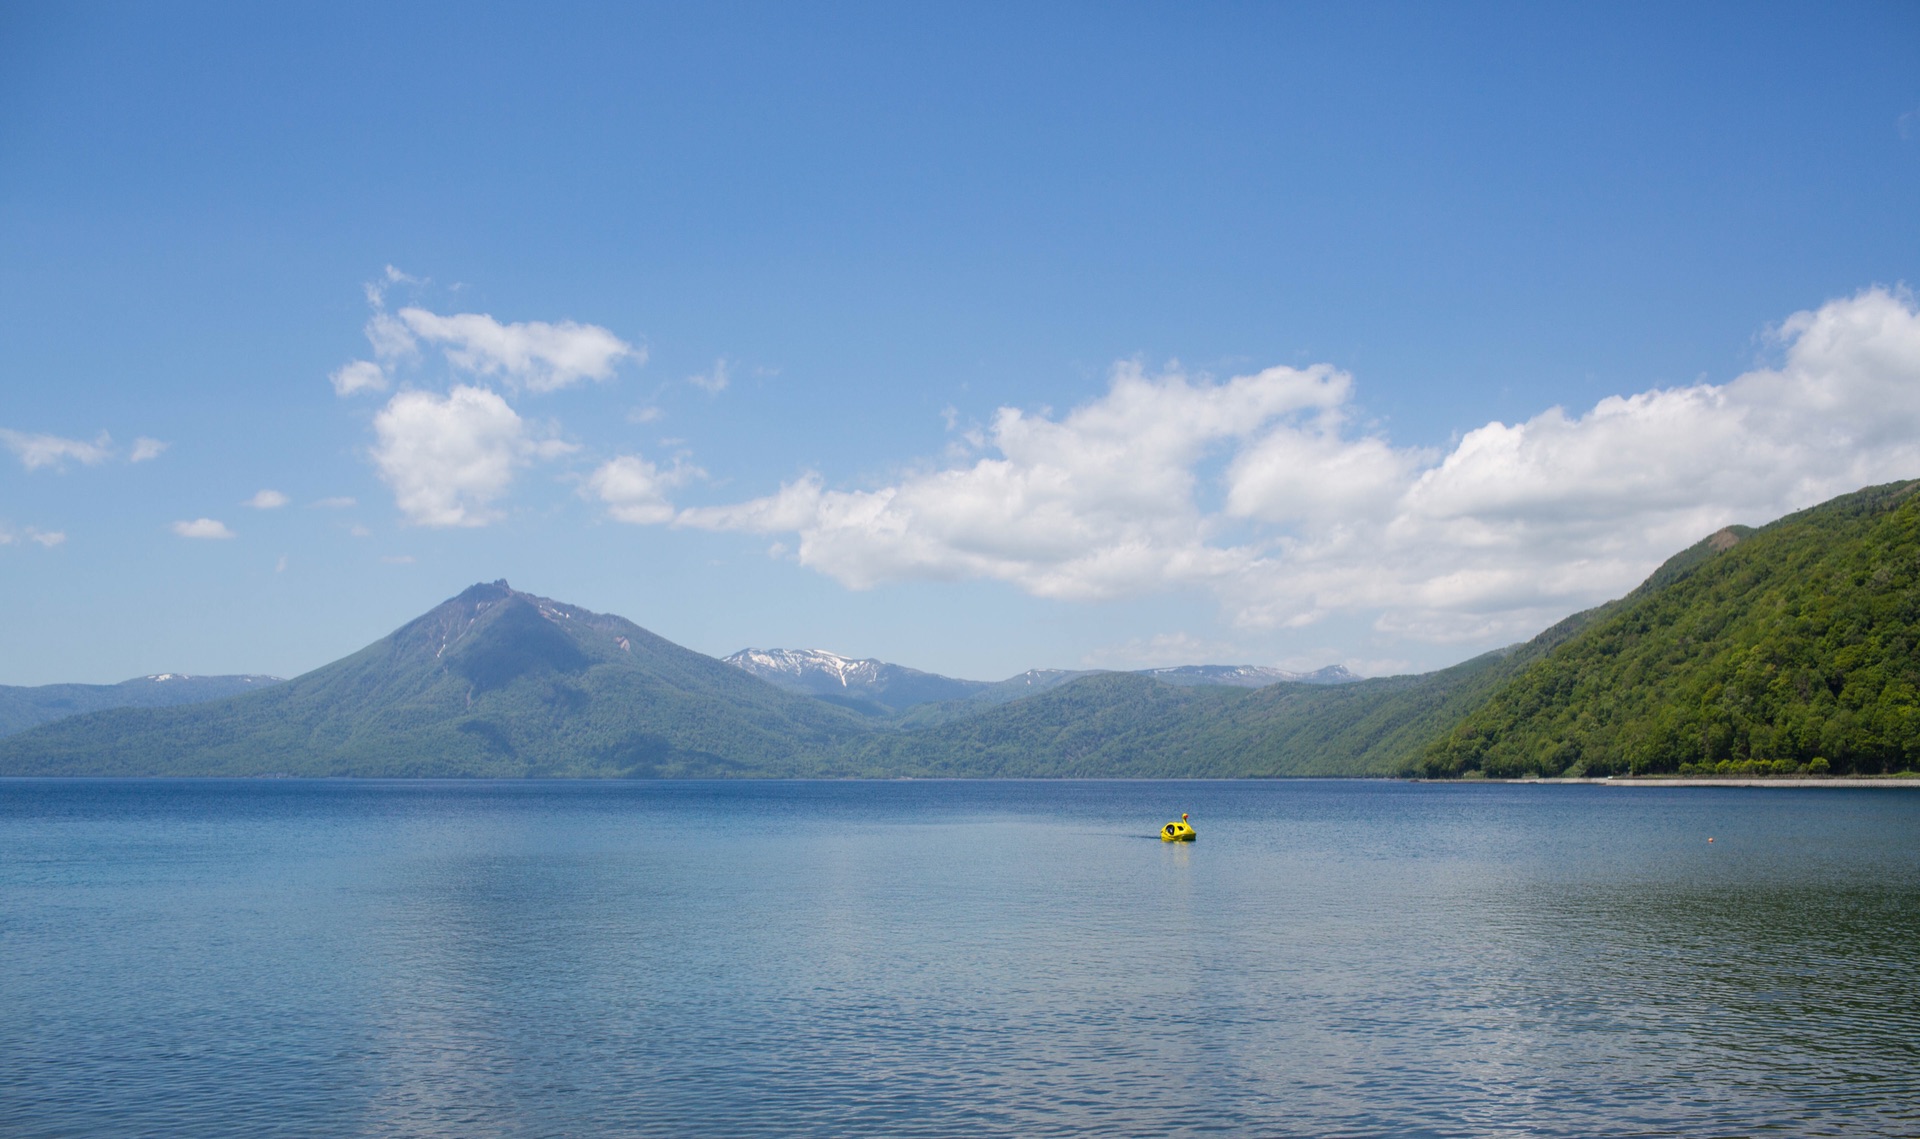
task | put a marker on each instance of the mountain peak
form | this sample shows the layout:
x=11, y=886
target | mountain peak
x=485, y=591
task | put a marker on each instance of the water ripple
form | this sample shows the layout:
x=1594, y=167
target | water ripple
x=551, y=959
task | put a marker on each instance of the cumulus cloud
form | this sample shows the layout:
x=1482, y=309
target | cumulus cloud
x=1264, y=490
x=358, y=376
x=635, y=490
x=267, y=500
x=450, y=458
x=1101, y=503
x=202, y=528
x=146, y=448
x=338, y=502
x=37, y=451
x=391, y=340
x=533, y=356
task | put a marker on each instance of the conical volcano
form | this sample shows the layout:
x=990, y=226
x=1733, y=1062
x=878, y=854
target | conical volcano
x=493, y=682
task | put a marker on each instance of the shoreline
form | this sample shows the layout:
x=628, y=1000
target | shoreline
x=1710, y=781
x=1908, y=781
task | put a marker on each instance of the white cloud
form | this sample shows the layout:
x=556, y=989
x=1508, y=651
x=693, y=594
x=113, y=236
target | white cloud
x=635, y=490
x=391, y=340
x=280, y=566
x=47, y=538
x=534, y=356
x=713, y=382
x=377, y=290
x=339, y=502
x=358, y=376
x=1098, y=504
x=1512, y=527
x=267, y=500
x=146, y=448
x=644, y=414
x=202, y=528
x=37, y=451
x=449, y=458
x=397, y=559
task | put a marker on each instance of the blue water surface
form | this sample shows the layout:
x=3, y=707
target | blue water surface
x=282, y=957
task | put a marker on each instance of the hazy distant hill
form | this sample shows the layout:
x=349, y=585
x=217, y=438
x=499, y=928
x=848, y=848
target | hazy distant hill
x=26, y=707
x=879, y=688
x=1247, y=675
x=1130, y=724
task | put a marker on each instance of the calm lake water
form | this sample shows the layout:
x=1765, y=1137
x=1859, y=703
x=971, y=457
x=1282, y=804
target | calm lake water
x=954, y=959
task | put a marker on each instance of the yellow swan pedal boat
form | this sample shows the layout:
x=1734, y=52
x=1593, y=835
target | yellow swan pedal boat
x=1179, y=830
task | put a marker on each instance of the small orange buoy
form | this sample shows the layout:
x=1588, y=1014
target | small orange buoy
x=1709, y=840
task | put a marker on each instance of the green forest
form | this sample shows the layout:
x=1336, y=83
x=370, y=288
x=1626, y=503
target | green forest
x=1791, y=651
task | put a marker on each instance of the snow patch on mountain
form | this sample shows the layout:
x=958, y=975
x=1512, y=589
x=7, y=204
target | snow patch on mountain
x=808, y=664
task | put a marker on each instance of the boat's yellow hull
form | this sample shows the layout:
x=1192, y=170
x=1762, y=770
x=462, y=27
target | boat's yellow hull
x=1177, y=832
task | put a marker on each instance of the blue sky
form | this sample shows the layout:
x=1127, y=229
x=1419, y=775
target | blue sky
x=1064, y=336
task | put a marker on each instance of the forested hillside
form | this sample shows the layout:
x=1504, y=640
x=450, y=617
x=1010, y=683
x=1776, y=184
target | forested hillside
x=1792, y=650
x=1126, y=724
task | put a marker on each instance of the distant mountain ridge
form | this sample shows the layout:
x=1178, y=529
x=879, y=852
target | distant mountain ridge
x=1248, y=675
x=492, y=682
x=23, y=707
x=880, y=687
x=1791, y=647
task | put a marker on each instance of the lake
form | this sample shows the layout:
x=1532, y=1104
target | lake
x=283, y=957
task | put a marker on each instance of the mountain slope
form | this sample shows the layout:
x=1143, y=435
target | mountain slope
x=1799, y=643
x=491, y=683
x=27, y=707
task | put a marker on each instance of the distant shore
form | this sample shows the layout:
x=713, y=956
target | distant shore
x=1698, y=781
